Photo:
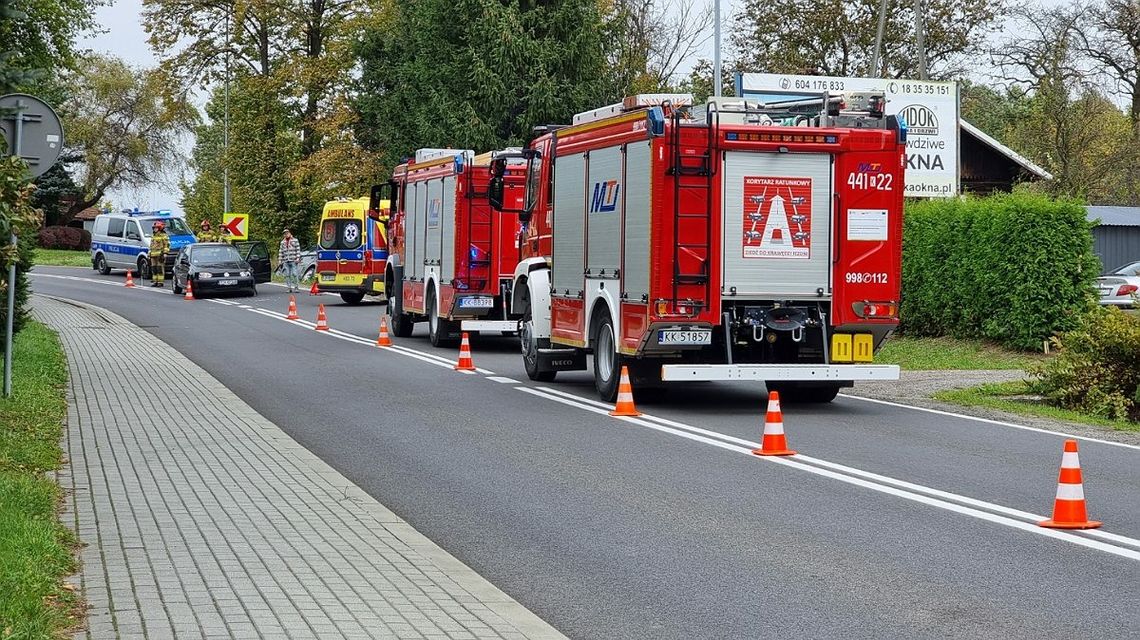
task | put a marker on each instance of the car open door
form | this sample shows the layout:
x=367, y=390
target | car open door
x=257, y=255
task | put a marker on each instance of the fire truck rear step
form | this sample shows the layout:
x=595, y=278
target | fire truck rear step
x=778, y=372
x=509, y=326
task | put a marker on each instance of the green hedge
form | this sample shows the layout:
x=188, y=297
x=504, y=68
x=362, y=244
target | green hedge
x=1013, y=268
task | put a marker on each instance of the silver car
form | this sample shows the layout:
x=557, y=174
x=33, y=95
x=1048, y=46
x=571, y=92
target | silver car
x=308, y=267
x=1120, y=287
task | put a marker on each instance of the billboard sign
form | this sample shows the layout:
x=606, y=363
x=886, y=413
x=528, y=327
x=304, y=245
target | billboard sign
x=930, y=110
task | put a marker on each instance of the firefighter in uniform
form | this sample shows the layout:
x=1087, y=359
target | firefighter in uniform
x=207, y=234
x=159, y=246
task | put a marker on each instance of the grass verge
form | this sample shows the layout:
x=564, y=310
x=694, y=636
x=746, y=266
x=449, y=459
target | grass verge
x=1014, y=397
x=62, y=258
x=920, y=354
x=35, y=549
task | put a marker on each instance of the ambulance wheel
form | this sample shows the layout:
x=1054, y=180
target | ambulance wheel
x=607, y=361
x=144, y=270
x=439, y=329
x=351, y=297
x=530, y=346
x=101, y=265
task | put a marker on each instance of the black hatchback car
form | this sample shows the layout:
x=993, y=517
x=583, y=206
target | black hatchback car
x=214, y=267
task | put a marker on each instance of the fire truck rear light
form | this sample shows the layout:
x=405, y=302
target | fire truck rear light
x=662, y=308
x=877, y=310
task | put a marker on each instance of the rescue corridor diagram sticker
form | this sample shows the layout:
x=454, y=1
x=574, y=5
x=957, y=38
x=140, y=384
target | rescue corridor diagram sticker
x=777, y=217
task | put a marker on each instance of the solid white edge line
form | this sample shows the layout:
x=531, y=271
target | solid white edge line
x=989, y=421
x=868, y=484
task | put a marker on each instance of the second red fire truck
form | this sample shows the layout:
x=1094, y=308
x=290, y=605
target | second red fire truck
x=452, y=257
x=735, y=241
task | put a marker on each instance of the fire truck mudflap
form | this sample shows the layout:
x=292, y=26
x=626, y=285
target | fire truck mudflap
x=778, y=372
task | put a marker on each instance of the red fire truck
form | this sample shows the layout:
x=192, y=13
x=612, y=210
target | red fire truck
x=451, y=256
x=733, y=241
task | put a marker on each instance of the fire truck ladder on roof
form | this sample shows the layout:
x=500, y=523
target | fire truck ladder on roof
x=693, y=174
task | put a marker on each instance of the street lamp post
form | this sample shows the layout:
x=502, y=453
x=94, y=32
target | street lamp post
x=716, y=49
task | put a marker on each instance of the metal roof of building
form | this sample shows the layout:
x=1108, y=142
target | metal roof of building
x=1114, y=216
x=1021, y=160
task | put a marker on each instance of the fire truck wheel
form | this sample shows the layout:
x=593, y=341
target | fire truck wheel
x=439, y=329
x=796, y=394
x=607, y=361
x=530, y=347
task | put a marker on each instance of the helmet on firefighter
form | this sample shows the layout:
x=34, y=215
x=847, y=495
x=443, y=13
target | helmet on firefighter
x=205, y=224
x=159, y=226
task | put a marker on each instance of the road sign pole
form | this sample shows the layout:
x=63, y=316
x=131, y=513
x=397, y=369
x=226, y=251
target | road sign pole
x=716, y=49
x=9, y=320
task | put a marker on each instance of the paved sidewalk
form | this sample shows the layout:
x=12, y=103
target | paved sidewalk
x=204, y=519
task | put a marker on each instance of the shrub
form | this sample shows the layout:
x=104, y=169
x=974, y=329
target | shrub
x=60, y=237
x=1098, y=368
x=1013, y=268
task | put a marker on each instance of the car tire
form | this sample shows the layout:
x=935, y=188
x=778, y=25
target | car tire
x=175, y=288
x=101, y=265
x=144, y=269
x=607, y=360
x=351, y=297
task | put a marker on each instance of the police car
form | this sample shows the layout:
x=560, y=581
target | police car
x=122, y=240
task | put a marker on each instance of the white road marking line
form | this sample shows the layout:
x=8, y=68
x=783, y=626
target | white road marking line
x=939, y=412
x=799, y=462
x=503, y=380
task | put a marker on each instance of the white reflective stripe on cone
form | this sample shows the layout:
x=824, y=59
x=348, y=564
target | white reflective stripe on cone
x=773, y=405
x=1070, y=491
x=773, y=428
x=1069, y=460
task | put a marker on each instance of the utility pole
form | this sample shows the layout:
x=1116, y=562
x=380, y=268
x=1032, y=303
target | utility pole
x=9, y=329
x=874, y=70
x=226, y=129
x=717, y=82
x=920, y=37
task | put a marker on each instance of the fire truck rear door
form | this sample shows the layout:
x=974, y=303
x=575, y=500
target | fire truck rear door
x=777, y=211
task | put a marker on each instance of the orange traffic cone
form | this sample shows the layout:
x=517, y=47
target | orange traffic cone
x=1069, y=507
x=322, y=321
x=624, y=406
x=383, y=340
x=313, y=290
x=465, y=361
x=292, y=309
x=774, y=442
x=130, y=281
x=189, y=291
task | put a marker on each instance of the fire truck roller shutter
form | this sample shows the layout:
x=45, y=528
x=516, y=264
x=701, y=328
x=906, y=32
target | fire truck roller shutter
x=638, y=196
x=447, y=253
x=414, y=229
x=434, y=237
x=777, y=212
x=567, y=261
x=605, y=194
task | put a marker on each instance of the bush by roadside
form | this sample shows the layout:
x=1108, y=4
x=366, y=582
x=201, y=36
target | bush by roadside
x=928, y=354
x=1098, y=368
x=35, y=549
x=1013, y=268
x=59, y=237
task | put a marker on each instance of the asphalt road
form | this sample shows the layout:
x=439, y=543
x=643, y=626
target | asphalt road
x=892, y=521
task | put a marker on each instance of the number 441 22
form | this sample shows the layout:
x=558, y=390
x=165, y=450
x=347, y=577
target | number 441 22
x=876, y=181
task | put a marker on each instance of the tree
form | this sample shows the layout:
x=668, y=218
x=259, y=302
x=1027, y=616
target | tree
x=1110, y=37
x=651, y=39
x=1070, y=127
x=477, y=74
x=38, y=39
x=56, y=191
x=124, y=124
x=837, y=37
